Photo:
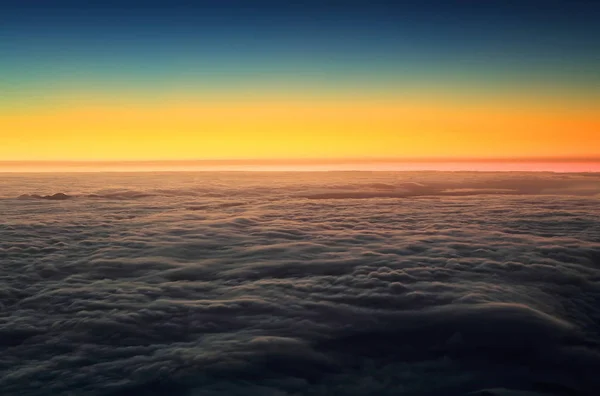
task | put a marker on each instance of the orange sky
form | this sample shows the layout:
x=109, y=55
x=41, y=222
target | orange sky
x=269, y=128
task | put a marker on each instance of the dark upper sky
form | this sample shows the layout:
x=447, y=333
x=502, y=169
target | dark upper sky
x=558, y=41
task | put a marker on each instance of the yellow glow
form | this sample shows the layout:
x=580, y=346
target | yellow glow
x=296, y=129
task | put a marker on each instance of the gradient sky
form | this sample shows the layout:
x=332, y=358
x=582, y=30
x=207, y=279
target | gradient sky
x=148, y=80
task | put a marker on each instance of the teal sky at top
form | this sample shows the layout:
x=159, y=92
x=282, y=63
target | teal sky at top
x=49, y=48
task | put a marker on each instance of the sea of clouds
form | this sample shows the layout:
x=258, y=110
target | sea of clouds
x=281, y=284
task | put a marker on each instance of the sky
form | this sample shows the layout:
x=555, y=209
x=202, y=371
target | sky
x=132, y=80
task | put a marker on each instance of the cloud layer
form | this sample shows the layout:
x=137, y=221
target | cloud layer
x=242, y=284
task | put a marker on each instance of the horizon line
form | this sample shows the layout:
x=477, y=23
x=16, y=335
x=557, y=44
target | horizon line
x=298, y=161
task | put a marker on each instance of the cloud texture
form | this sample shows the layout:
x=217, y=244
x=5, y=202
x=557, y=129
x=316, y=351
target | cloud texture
x=286, y=284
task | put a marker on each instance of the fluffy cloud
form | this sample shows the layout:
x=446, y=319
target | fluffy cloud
x=237, y=284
